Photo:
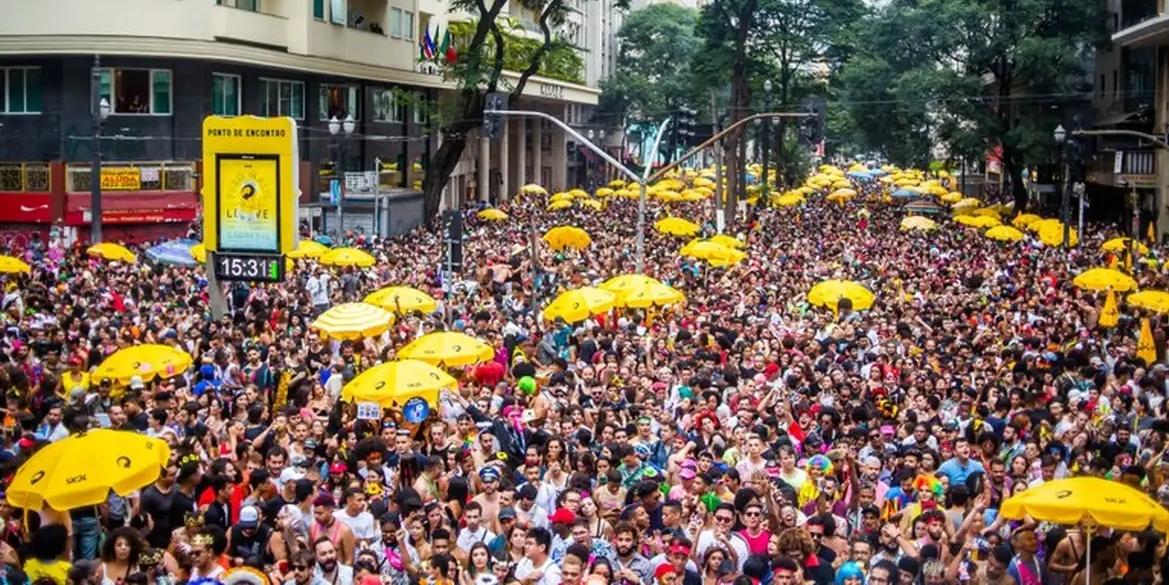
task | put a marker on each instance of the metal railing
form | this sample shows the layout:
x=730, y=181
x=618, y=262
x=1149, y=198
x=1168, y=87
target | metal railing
x=25, y=177
x=154, y=175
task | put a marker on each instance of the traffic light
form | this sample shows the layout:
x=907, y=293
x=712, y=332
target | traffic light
x=812, y=126
x=684, y=125
x=493, y=123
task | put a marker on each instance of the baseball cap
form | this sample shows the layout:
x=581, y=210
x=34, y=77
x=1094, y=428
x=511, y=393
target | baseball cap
x=489, y=474
x=324, y=501
x=562, y=516
x=249, y=517
x=507, y=513
x=526, y=492
x=136, y=383
x=687, y=473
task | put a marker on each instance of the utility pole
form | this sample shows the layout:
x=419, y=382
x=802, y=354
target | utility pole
x=720, y=206
x=98, y=113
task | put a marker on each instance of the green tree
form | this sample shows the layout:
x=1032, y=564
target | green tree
x=653, y=73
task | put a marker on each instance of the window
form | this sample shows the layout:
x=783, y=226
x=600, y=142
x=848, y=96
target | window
x=339, y=101
x=20, y=90
x=395, y=22
x=279, y=97
x=225, y=94
x=420, y=105
x=408, y=24
x=385, y=106
x=137, y=91
x=251, y=5
x=319, y=9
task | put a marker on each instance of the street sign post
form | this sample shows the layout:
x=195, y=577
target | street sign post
x=250, y=191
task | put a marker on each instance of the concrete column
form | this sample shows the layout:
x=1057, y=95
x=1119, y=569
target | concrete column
x=504, y=161
x=559, y=159
x=522, y=153
x=538, y=153
x=484, y=180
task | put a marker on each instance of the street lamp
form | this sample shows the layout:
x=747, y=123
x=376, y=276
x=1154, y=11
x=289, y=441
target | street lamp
x=1061, y=138
x=101, y=111
x=764, y=199
x=336, y=127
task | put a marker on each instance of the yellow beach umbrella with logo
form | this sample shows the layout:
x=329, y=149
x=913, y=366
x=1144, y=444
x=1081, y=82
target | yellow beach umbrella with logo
x=1052, y=235
x=1150, y=300
x=13, y=265
x=649, y=294
x=307, y=249
x=1004, y=233
x=491, y=214
x=562, y=196
x=199, y=253
x=1024, y=220
x=567, y=236
x=978, y=221
x=706, y=250
x=1123, y=245
x=919, y=223
x=789, y=199
x=604, y=192
x=353, y=321
x=626, y=282
x=579, y=304
x=1102, y=279
x=147, y=361
x=449, y=349
x=113, y=252
x=951, y=197
x=591, y=204
x=1039, y=224
x=402, y=300
x=559, y=205
x=1089, y=501
x=966, y=202
x=345, y=257
x=533, y=189
x=828, y=294
x=727, y=241
x=676, y=226
x=81, y=470
x=393, y=383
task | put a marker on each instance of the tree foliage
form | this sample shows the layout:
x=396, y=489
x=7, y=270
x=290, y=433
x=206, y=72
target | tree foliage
x=653, y=74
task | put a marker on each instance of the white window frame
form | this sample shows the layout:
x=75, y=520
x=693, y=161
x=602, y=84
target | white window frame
x=355, y=100
x=264, y=81
x=5, y=106
x=113, y=98
x=395, y=107
x=239, y=91
x=395, y=31
x=408, y=25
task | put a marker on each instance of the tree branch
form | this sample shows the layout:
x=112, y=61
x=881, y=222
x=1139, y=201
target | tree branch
x=497, y=66
x=551, y=8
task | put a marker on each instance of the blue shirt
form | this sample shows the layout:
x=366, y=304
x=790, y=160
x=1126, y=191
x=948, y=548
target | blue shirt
x=957, y=472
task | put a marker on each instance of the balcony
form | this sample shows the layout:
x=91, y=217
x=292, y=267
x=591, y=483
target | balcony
x=1143, y=23
x=360, y=46
x=1119, y=168
x=249, y=27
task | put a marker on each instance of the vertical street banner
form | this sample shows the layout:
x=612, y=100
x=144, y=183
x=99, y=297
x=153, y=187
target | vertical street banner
x=251, y=184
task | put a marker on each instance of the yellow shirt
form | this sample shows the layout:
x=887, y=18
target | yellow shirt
x=70, y=382
x=57, y=570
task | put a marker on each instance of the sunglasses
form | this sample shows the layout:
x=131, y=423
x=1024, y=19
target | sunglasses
x=299, y=567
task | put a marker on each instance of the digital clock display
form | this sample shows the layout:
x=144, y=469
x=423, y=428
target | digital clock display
x=249, y=267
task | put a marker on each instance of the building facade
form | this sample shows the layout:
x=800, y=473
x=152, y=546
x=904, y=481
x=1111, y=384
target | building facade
x=166, y=64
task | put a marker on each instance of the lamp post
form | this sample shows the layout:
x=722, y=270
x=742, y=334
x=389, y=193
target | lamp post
x=1061, y=137
x=764, y=200
x=584, y=163
x=101, y=111
x=336, y=127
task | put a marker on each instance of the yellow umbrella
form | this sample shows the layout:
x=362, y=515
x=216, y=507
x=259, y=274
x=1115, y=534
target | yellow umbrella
x=402, y=300
x=838, y=197
x=725, y=240
x=829, y=292
x=448, y=348
x=492, y=214
x=567, y=236
x=393, y=383
x=81, y=470
x=1102, y=279
x=1024, y=220
x=789, y=199
x=616, y=183
x=579, y=304
x=533, y=189
x=112, y=251
x=733, y=257
x=560, y=197
x=591, y=204
x=1150, y=300
x=1004, y=233
x=917, y=222
x=676, y=226
x=199, y=253
x=347, y=257
x=12, y=265
x=953, y=197
x=1037, y=225
x=353, y=321
x=650, y=294
x=559, y=205
x=626, y=282
x=1123, y=245
x=146, y=361
x=306, y=249
x=604, y=192
x=705, y=250
x=1091, y=501
x=978, y=221
x=578, y=193
x=967, y=202
x=989, y=212
x=1052, y=235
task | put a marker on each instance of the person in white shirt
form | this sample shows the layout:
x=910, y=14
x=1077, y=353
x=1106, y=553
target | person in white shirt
x=537, y=568
x=361, y=522
x=722, y=536
x=473, y=532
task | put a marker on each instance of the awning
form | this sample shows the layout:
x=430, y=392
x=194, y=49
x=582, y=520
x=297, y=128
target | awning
x=1116, y=119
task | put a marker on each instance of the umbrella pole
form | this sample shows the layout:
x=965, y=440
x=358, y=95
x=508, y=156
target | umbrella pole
x=1088, y=554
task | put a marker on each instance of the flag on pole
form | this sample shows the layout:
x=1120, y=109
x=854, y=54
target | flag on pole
x=1146, y=348
x=1110, y=315
x=1152, y=232
x=427, y=45
x=448, y=50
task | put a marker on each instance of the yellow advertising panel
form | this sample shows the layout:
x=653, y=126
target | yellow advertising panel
x=120, y=179
x=250, y=184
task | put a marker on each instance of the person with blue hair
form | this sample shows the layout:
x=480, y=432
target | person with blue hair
x=850, y=573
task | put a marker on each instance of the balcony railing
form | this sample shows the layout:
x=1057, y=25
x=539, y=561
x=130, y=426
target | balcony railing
x=153, y=176
x=18, y=177
x=1138, y=162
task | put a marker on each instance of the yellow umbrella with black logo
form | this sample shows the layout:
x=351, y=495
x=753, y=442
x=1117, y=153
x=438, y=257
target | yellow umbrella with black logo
x=448, y=348
x=567, y=236
x=353, y=321
x=306, y=249
x=346, y=257
x=113, y=252
x=402, y=300
x=579, y=304
x=828, y=294
x=146, y=361
x=13, y=265
x=393, y=383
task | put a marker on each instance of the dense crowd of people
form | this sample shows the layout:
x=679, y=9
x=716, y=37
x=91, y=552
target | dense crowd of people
x=744, y=437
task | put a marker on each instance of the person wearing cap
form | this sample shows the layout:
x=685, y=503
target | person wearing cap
x=326, y=525
x=561, y=522
x=488, y=496
x=74, y=378
x=249, y=540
